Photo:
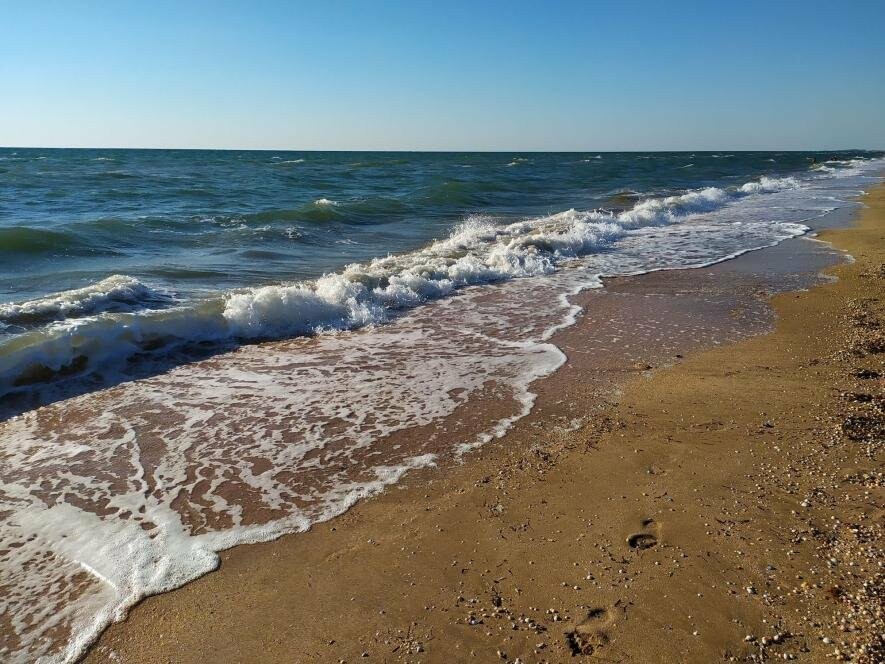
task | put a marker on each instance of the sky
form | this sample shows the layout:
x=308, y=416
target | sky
x=444, y=75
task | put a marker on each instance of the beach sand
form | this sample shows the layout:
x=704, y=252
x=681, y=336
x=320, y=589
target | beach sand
x=722, y=505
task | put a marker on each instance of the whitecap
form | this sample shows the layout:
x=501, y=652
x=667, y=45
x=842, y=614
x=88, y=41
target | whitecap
x=480, y=250
x=115, y=293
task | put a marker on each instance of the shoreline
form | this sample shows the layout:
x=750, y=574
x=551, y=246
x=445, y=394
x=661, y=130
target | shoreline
x=613, y=540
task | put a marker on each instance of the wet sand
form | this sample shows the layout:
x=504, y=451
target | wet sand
x=661, y=503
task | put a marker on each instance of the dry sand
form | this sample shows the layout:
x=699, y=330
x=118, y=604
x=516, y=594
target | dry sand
x=726, y=508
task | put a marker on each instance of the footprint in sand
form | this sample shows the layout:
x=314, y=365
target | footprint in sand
x=642, y=541
x=645, y=539
x=590, y=634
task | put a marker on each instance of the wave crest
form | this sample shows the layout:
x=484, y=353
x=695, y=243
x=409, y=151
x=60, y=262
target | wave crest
x=116, y=293
x=767, y=185
x=480, y=250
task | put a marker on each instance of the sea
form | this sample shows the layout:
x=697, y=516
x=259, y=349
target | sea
x=200, y=349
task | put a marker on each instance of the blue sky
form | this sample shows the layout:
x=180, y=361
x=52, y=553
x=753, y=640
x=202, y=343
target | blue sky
x=443, y=75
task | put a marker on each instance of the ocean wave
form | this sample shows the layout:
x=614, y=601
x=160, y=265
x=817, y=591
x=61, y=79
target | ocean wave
x=309, y=212
x=767, y=184
x=622, y=198
x=463, y=193
x=841, y=168
x=116, y=293
x=362, y=211
x=18, y=241
x=655, y=211
x=264, y=255
x=481, y=250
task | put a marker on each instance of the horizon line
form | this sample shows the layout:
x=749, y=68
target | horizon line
x=436, y=150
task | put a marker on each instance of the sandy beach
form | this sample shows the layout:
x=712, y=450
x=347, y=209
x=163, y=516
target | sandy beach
x=719, y=505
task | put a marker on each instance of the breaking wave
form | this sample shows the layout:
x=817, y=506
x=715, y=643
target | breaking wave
x=766, y=185
x=98, y=327
x=116, y=293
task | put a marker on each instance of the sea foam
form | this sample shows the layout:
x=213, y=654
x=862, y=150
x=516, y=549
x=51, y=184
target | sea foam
x=116, y=293
x=98, y=327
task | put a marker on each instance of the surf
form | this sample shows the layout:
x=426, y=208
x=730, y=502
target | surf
x=97, y=329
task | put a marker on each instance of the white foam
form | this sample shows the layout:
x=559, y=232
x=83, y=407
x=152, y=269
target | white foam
x=117, y=292
x=481, y=250
x=766, y=184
